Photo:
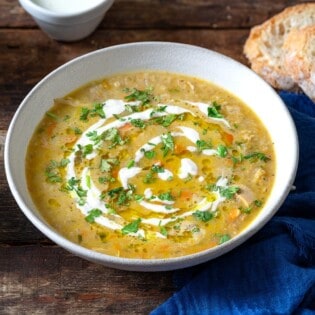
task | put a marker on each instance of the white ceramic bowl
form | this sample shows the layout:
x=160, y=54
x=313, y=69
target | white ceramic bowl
x=180, y=58
x=64, y=24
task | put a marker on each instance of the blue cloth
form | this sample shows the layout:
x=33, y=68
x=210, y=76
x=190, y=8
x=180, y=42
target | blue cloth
x=274, y=271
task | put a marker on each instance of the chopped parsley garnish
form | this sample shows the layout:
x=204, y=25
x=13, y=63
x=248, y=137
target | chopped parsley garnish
x=106, y=179
x=166, y=196
x=229, y=192
x=98, y=110
x=226, y=192
x=256, y=156
x=138, y=123
x=168, y=143
x=92, y=215
x=138, y=198
x=131, y=163
x=107, y=164
x=113, y=135
x=52, y=170
x=248, y=210
x=73, y=184
x=120, y=195
x=84, y=113
x=137, y=95
x=166, y=121
x=224, y=238
x=213, y=111
x=94, y=137
x=132, y=227
x=77, y=131
x=148, y=154
x=158, y=109
x=149, y=178
x=203, y=145
x=157, y=168
x=52, y=115
x=132, y=108
x=87, y=149
x=203, y=216
x=163, y=230
x=222, y=151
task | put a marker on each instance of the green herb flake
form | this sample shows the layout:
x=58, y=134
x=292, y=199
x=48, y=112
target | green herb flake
x=203, y=145
x=157, y=168
x=166, y=196
x=203, y=216
x=166, y=121
x=92, y=215
x=77, y=131
x=98, y=110
x=139, y=123
x=149, y=154
x=213, y=111
x=113, y=136
x=132, y=227
x=229, y=192
x=88, y=181
x=84, y=114
x=138, y=198
x=52, y=115
x=105, y=166
x=149, y=178
x=253, y=157
x=224, y=238
x=132, y=108
x=222, y=151
x=131, y=163
x=87, y=149
x=106, y=179
x=144, y=96
x=163, y=231
x=168, y=143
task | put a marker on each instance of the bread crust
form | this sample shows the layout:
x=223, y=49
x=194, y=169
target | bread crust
x=263, y=48
x=299, y=58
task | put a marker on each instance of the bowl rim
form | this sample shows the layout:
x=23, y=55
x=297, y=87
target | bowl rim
x=139, y=264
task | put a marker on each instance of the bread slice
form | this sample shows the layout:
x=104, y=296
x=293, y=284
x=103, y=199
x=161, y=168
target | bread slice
x=299, y=58
x=263, y=47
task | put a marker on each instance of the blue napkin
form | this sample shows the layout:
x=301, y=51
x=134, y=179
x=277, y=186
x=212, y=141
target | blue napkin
x=274, y=271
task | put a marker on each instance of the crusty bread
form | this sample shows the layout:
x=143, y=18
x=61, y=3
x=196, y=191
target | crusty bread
x=299, y=58
x=263, y=48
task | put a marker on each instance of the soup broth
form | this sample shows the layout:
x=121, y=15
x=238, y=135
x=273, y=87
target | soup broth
x=150, y=165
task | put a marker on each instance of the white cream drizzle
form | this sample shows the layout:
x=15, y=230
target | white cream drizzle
x=187, y=167
x=204, y=109
x=92, y=200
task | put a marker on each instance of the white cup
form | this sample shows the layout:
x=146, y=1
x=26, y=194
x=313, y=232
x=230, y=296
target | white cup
x=67, y=20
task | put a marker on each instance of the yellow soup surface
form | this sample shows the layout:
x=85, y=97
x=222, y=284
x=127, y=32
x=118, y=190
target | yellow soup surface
x=150, y=165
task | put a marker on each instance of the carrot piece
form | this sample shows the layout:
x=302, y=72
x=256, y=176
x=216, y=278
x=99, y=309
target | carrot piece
x=126, y=127
x=234, y=213
x=50, y=128
x=186, y=194
x=179, y=149
x=227, y=138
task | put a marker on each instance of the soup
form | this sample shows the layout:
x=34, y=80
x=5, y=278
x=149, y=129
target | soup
x=150, y=165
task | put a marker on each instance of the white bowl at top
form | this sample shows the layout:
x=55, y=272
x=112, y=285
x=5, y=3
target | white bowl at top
x=172, y=57
x=67, y=20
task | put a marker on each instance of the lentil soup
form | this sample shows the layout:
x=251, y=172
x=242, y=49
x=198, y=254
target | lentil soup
x=150, y=165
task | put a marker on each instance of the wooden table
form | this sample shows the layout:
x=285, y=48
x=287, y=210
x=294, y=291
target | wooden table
x=36, y=276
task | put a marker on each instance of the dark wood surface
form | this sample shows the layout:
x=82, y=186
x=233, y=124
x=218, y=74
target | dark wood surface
x=36, y=276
